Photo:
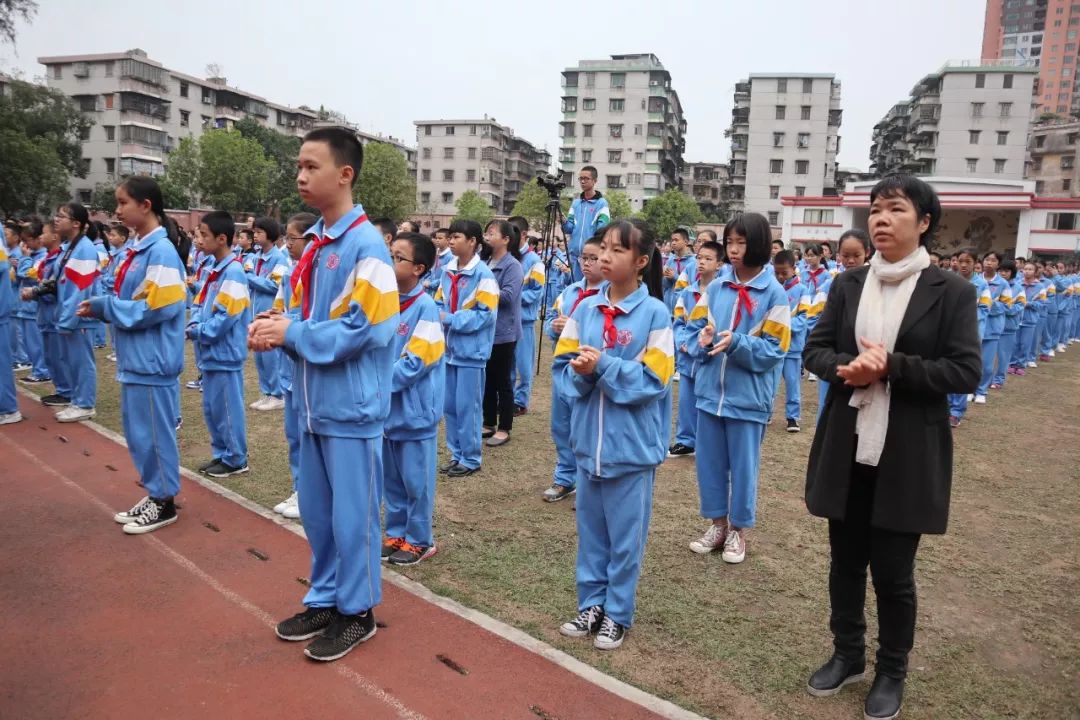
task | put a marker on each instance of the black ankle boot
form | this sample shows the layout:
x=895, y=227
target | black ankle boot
x=834, y=675
x=885, y=698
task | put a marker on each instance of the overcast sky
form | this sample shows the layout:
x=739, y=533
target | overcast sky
x=387, y=63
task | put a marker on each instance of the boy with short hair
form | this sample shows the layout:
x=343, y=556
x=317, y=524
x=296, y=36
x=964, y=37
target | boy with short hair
x=680, y=261
x=799, y=302
x=532, y=293
x=340, y=335
x=26, y=310
x=418, y=387
x=218, y=328
x=264, y=277
x=388, y=229
x=9, y=403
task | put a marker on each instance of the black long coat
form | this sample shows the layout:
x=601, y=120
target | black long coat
x=937, y=352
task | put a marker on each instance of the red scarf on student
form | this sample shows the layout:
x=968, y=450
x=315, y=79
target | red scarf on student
x=304, y=267
x=611, y=333
x=744, y=300
x=214, y=275
x=121, y=272
x=455, y=288
x=582, y=294
x=408, y=303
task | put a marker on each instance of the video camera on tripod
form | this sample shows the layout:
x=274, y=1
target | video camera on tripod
x=552, y=184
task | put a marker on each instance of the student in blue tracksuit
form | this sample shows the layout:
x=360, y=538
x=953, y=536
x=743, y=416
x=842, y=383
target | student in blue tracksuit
x=817, y=280
x=99, y=287
x=1013, y=298
x=741, y=331
x=296, y=237
x=708, y=266
x=264, y=278
x=26, y=311
x=79, y=270
x=443, y=256
x=20, y=360
x=1062, y=290
x=340, y=338
x=202, y=263
x=532, y=293
x=565, y=475
x=410, y=444
x=966, y=267
x=218, y=328
x=588, y=213
x=9, y=403
x=117, y=236
x=1048, y=344
x=468, y=301
x=1034, y=314
x=1000, y=295
x=147, y=315
x=47, y=271
x=557, y=272
x=798, y=298
x=681, y=260
x=613, y=363
x=1027, y=293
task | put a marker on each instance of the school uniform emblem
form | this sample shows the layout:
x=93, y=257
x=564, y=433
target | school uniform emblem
x=403, y=329
x=624, y=337
x=333, y=261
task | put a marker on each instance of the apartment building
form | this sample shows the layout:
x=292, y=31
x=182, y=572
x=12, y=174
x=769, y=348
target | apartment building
x=456, y=156
x=622, y=116
x=968, y=119
x=708, y=184
x=1053, y=168
x=784, y=139
x=142, y=109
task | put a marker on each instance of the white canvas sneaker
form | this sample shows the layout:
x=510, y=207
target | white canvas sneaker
x=713, y=539
x=74, y=414
x=11, y=417
x=734, y=547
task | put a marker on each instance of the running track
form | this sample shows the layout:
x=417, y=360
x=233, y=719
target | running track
x=97, y=624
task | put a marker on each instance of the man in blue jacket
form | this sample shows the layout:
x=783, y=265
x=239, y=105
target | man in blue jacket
x=588, y=213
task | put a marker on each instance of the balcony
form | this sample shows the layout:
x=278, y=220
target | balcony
x=143, y=152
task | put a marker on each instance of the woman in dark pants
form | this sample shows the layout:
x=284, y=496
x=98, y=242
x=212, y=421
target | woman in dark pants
x=505, y=262
x=895, y=338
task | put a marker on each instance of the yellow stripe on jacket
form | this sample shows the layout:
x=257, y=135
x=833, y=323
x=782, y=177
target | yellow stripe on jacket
x=233, y=296
x=161, y=287
x=427, y=342
x=659, y=354
x=569, y=339
x=372, y=286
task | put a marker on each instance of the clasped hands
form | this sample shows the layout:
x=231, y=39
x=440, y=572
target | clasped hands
x=871, y=365
x=267, y=331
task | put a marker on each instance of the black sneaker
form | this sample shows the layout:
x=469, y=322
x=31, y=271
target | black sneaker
x=136, y=510
x=206, y=466
x=409, y=554
x=390, y=546
x=344, y=634
x=31, y=380
x=449, y=466
x=157, y=514
x=306, y=625
x=557, y=492
x=610, y=635
x=679, y=450
x=55, y=400
x=460, y=470
x=831, y=677
x=586, y=623
x=792, y=425
x=884, y=699
x=223, y=469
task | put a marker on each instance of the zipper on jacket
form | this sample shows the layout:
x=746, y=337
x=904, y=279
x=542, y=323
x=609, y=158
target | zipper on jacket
x=600, y=434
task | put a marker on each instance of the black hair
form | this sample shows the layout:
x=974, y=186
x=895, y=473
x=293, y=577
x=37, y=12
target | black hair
x=967, y=251
x=919, y=193
x=220, y=222
x=269, y=226
x=141, y=189
x=441, y=231
x=758, y=233
x=121, y=229
x=32, y=226
x=714, y=246
x=779, y=242
x=470, y=229
x=812, y=249
x=994, y=253
x=784, y=257
x=304, y=220
x=683, y=233
x=247, y=232
x=386, y=227
x=711, y=234
x=519, y=222
x=344, y=146
x=861, y=236
x=637, y=235
x=413, y=225
x=78, y=213
x=422, y=247
x=1010, y=266
x=934, y=254
x=591, y=170
x=507, y=230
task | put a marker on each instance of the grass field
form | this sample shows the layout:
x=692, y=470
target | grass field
x=999, y=596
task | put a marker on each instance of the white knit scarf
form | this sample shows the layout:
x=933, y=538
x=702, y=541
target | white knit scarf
x=880, y=322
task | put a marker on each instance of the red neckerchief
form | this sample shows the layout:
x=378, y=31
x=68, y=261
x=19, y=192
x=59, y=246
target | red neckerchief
x=744, y=300
x=582, y=294
x=678, y=265
x=214, y=274
x=455, y=288
x=408, y=303
x=697, y=297
x=41, y=263
x=306, y=264
x=121, y=272
x=814, y=276
x=258, y=265
x=610, y=331
x=792, y=282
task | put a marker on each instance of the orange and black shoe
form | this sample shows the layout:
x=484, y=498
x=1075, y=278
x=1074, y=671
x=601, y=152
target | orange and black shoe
x=409, y=554
x=390, y=546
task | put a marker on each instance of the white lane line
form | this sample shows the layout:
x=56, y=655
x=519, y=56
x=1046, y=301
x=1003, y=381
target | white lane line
x=365, y=685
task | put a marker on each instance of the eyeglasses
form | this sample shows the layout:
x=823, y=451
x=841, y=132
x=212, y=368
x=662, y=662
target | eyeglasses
x=295, y=237
x=400, y=259
x=585, y=178
x=589, y=259
x=61, y=216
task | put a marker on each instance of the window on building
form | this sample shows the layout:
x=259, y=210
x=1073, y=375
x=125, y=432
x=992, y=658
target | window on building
x=470, y=175
x=590, y=79
x=449, y=129
x=999, y=166
x=616, y=105
x=977, y=109
x=448, y=153
x=808, y=85
x=980, y=80
x=781, y=85
x=448, y=197
x=805, y=112
x=800, y=191
x=973, y=137
x=84, y=133
x=569, y=104
x=425, y=198
x=110, y=165
x=802, y=167
x=1002, y=138
x=818, y=217
x=615, y=131
x=57, y=72
x=638, y=129
x=205, y=120
x=426, y=153
x=185, y=118
x=639, y=156
x=110, y=132
x=427, y=129
x=425, y=175
x=614, y=156
x=774, y=192
x=86, y=165
x=586, y=156
x=1067, y=162
x=614, y=181
x=804, y=140
x=588, y=103
x=1005, y=109
x=781, y=111
x=1007, y=81
x=1071, y=138
x=1066, y=184
x=448, y=175
x=777, y=140
x=1061, y=221
x=633, y=178
x=566, y=155
x=1040, y=140
x=472, y=153
x=207, y=96
x=776, y=166
x=567, y=129
x=108, y=101
x=972, y=165
x=1039, y=187
x=774, y=218
x=586, y=131
x=618, y=80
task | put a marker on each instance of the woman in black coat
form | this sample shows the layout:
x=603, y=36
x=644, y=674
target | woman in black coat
x=895, y=338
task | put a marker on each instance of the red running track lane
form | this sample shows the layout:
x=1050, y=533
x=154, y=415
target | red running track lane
x=98, y=624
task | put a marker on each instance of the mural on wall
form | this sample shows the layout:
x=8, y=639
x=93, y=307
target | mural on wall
x=984, y=230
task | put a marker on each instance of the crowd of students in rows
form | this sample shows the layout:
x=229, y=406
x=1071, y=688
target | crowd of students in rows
x=368, y=336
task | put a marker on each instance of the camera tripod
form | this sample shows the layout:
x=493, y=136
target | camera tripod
x=553, y=219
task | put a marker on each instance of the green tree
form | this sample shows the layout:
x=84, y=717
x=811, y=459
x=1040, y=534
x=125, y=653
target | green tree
x=619, y=205
x=180, y=184
x=104, y=197
x=470, y=206
x=670, y=210
x=385, y=187
x=12, y=9
x=40, y=146
x=282, y=151
x=234, y=172
x=531, y=204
